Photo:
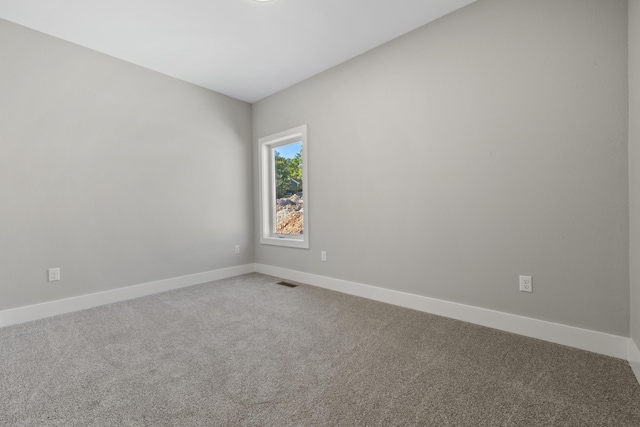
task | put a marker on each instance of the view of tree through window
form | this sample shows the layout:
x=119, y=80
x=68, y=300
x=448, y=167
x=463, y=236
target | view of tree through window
x=288, y=182
x=284, y=185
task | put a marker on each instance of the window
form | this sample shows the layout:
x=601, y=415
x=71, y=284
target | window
x=284, y=194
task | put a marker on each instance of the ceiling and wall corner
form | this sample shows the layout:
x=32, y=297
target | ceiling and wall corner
x=240, y=48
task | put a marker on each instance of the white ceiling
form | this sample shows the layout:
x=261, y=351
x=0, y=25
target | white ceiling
x=241, y=48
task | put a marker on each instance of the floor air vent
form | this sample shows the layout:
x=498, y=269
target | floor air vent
x=290, y=285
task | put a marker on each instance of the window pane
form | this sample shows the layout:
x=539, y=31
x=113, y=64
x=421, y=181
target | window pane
x=289, y=212
x=284, y=194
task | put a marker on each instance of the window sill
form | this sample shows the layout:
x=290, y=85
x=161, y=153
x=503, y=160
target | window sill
x=285, y=241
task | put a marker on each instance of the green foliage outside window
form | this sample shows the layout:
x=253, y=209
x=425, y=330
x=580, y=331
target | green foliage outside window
x=288, y=174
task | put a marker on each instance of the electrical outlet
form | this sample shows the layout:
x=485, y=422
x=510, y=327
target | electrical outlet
x=54, y=274
x=237, y=249
x=323, y=255
x=526, y=285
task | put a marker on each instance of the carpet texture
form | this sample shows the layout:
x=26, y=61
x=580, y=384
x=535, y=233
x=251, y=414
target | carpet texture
x=248, y=352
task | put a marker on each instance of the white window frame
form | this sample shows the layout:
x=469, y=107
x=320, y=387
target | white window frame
x=267, y=145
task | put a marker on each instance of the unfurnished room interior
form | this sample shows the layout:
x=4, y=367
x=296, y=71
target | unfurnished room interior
x=320, y=213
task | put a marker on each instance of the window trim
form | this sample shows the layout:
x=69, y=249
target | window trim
x=266, y=145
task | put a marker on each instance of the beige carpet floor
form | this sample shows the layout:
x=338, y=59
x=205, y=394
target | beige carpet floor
x=248, y=352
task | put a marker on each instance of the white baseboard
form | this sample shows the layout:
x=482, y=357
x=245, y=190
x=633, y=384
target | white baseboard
x=82, y=302
x=634, y=358
x=597, y=342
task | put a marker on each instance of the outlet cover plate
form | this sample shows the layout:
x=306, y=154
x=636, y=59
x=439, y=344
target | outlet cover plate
x=526, y=284
x=54, y=274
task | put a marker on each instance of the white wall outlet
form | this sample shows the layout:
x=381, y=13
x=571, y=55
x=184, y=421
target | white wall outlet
x=323, y=255
x=526, y=285
x=237, y=249
x=54, y=274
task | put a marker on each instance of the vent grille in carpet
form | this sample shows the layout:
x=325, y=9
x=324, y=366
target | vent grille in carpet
x=290, y=285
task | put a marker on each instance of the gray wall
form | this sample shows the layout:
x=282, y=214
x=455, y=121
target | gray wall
x=634, y=164
x=114, y=173
x=490, y=143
